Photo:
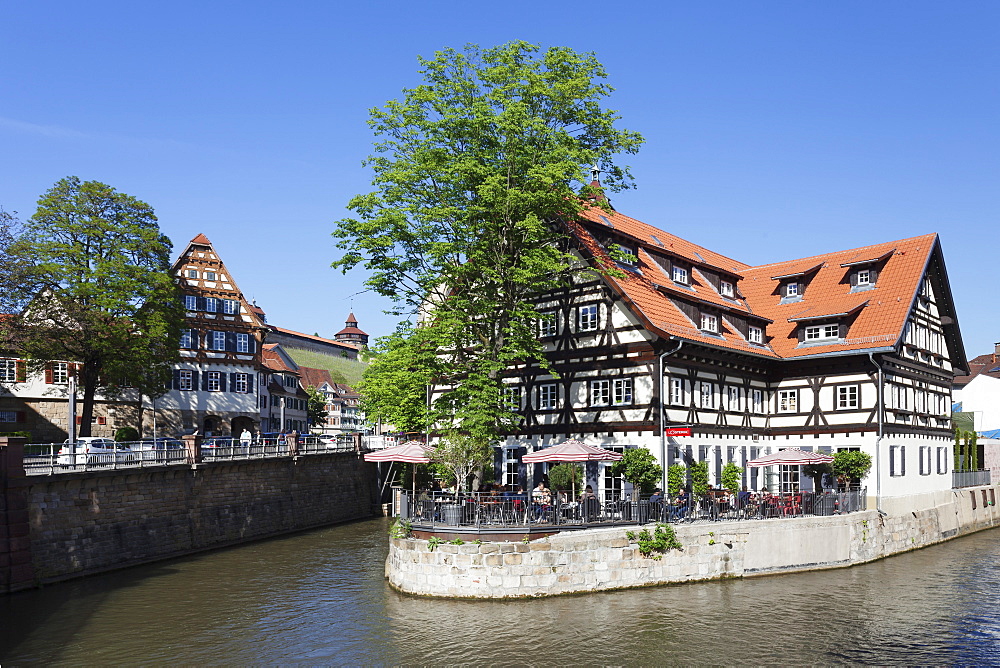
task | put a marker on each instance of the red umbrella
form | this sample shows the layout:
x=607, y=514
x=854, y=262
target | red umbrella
x=572, y=450
x=791, y=457
x=411, y=452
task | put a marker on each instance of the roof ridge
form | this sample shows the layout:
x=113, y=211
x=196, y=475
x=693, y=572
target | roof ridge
x=845, y=250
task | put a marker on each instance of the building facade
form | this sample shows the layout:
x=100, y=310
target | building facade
x=213, y=389
x=853, y=349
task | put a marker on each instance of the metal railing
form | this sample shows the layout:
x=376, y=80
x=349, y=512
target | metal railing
x=50, y=458
x=484, y=510
x=971, y=478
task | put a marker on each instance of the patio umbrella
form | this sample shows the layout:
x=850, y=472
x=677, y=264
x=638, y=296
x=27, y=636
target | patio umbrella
x=790, y=457
x=411, y=452
x=572, y=450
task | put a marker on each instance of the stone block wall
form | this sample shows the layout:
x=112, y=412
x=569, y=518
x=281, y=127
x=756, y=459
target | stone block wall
x=603, y=559
x=82, y=523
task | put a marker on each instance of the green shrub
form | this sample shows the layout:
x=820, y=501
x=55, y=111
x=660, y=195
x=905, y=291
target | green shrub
x=564, y=476
x=126, y=434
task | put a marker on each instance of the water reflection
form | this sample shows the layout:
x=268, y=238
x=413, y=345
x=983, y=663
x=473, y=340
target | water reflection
x=320, y=598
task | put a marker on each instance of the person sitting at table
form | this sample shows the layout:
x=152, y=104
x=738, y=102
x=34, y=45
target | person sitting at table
x=679, y=508
x=589, y=504
x=542, y=499
x=657, y=496
x=656, y=504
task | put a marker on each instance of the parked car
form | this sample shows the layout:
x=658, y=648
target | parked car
x=160, y=449
x=94, y=450
x=222, y=446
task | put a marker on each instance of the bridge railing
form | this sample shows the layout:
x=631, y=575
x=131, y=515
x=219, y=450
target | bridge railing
x=49, y=458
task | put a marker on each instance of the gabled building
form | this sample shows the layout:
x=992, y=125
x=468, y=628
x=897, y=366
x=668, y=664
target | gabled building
x=351, y=334
x=283, y=401
x=852, y=349
x=979, y=391
x=343, y=412
x=213, y=389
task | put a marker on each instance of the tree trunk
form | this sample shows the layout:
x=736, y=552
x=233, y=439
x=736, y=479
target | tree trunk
x=88, y=374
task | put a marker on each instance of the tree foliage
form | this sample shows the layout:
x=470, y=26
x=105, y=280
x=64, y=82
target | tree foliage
x=639, y=467
x=676, y=479
x=566, y=476
x=88, y=280
x=462, y=456
x=732, y=477
x=315, y=406
x=851, y=465
x=394, y=386
x=473, y=169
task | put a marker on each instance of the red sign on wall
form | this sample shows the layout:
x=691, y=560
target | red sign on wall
x=678, y=431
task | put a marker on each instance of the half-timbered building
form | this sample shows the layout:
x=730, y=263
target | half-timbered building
x=214, y=388
x=853, y=349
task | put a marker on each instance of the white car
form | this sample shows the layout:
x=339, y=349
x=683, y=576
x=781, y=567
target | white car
x=94, y=450
x=160, y=450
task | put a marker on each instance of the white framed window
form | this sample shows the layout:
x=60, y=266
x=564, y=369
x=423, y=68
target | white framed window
x=218, y=340
x=8, y=371
x=733, y=401
x=60, y=372
x=187, y=339
x=548, y=324
x=864, y=277
x=600, y=392
x=788, y=401
x=209, y=275
x=190, y=302
x=755, y=334
x=185, y=380
x=792, y=289
x=679, y=275
x=230, y=306
x=511, y=464
x=192, y=273
x=925, y=460
x=677, y=391
x=213, y=382
x=512, y=397
x=847, y=397
x=822, y=332
x=211, y=304
x=942, y=460
x=242, y=343
x=626, y=254
x=726, y=289
x=758, y=401
x=897, y=460
x=241, y=383
x=709, y=322
x=587, y=318
x=548, y=397
x=623, y=391
x=707, y=394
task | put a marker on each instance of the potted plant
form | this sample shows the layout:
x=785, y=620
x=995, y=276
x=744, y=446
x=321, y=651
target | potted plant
x=732, y=477
x=851, y=466
x=676, y=479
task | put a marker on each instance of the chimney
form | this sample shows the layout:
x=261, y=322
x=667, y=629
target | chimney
x=996, y=351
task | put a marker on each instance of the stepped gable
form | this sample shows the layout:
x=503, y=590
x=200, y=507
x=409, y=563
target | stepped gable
x=875, y=317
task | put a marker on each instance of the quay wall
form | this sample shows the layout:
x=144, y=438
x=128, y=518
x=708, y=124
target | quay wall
x=75, y=524
x=603, y=559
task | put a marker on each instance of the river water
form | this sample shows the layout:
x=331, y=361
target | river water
x=319, y=598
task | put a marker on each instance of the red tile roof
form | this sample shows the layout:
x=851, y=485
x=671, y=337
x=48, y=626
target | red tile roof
x=272, y=360
x=876, y=317
x=202, y=240
x=315, y=377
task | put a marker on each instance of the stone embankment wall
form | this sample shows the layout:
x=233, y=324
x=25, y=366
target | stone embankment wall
x=82, y=523
x=603, y=559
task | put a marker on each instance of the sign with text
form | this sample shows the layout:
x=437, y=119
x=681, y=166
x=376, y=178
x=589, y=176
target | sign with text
x=678, y=431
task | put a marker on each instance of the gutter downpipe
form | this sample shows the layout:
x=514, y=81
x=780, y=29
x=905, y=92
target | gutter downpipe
x=663, y=428
x=878, y=439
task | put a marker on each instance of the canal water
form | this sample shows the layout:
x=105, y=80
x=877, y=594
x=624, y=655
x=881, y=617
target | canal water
x=320, y=598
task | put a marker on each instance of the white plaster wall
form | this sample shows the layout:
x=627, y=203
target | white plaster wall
x=982, y=398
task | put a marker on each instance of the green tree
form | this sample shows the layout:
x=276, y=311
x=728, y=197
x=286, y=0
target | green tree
x=676, y=479
x=89, y=281
x=732, y=477
x=462, y=456
x=851, y=466
x=699, y=478
x=473, y=172
x=394, y=386
x=315, y=406
x=566, y=476
x=816, y=472
x=639, y=467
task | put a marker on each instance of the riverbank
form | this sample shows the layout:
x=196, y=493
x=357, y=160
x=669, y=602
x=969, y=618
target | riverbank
x=604, y=559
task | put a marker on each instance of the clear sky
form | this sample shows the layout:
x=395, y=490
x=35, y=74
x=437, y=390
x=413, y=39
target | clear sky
x=775, y=130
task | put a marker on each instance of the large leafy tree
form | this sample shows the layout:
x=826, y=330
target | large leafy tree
x=315, y=406
x=88, y=281
x=473, y=171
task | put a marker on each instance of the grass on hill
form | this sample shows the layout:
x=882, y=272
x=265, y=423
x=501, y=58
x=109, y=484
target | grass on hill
x=341, y=369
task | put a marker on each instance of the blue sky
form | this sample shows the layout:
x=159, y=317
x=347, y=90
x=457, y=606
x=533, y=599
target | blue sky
x=774, y=130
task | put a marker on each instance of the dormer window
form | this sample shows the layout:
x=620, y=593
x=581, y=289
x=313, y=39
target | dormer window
x=726, y=289
x=864, y=277
x=626, y=254
x=680, y=275
x=710, y=323
x=822, y=332
x=792, y=289
x=755, y=334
